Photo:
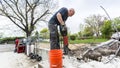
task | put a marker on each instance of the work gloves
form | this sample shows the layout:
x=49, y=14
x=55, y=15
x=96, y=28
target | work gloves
x=63, y=30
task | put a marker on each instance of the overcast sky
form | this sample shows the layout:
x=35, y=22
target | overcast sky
x=83, y=9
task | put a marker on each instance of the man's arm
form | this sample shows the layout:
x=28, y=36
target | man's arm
x=59, y=17
x=63, y=28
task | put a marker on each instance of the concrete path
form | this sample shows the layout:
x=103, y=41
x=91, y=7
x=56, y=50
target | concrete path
x=15, y=60
x=9, y=59
x=7, y=47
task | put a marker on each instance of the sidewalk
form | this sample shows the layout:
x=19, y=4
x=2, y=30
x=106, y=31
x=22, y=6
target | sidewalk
x=16, y=60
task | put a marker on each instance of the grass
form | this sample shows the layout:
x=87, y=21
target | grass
x=88, y=41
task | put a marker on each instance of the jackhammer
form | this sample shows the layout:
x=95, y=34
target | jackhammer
x=63, y=31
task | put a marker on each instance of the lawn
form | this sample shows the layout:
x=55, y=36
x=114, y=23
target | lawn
x=88, y=41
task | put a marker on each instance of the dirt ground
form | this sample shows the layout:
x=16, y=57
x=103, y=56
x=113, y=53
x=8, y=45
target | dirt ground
x=71, y=46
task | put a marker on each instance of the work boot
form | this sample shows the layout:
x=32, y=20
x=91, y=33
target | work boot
x=66, y=50
x=15, y=50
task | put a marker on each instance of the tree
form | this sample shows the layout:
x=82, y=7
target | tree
x=26, y=13
x=106, y=29
x=87, y=32
x=1, y=35
x=116, y=23
x=44, y=33
x=37, y=34
x=95, y=22
x=80, y=34
x=81, y=27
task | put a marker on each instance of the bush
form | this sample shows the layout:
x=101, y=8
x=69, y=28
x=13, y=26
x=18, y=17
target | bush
x=72, y=37
x=9, y=39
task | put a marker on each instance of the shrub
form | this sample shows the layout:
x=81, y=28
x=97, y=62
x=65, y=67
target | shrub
x=72, y=37
x=9, y=39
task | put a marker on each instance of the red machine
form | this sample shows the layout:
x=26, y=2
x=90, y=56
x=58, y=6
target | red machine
x=20, y=48
x=65, y=45
x=65, y=38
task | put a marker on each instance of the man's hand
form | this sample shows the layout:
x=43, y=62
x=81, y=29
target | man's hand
x=63, y=30
x=63, y=27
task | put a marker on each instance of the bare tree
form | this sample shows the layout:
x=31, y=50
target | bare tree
x=26, y=13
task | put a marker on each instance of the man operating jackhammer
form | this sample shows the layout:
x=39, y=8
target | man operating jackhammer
x=58, y=19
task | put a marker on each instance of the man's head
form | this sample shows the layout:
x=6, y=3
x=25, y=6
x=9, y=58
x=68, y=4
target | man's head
x=71, y=12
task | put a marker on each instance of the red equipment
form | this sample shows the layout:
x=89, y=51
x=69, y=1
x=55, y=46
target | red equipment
x=16, y=43
x=65, y=40
x=65, y=45
x=20, y=48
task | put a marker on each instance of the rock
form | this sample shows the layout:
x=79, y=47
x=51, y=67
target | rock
x=106, y=52
x=94, y=55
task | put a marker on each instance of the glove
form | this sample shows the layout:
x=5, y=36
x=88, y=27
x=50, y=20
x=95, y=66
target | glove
x=63, y=30
x=63, y=27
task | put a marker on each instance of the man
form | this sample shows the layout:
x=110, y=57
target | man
x=58, y=19
x=16, y=44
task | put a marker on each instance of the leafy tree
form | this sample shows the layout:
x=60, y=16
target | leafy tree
x=95, y=22
x=44, y=33
x=81, y=27
x=116, y=23
x=106, y=29
x=37, y=34
x=44, y=30
x=87, y=32
x=80, y=34
x=26, y=13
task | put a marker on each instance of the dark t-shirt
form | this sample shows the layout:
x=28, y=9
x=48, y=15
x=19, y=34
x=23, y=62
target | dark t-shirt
x=64, y=12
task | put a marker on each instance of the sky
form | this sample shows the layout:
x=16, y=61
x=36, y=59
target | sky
x=83, y=9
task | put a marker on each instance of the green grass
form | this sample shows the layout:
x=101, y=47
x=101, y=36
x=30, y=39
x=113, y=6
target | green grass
x=88, y=41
